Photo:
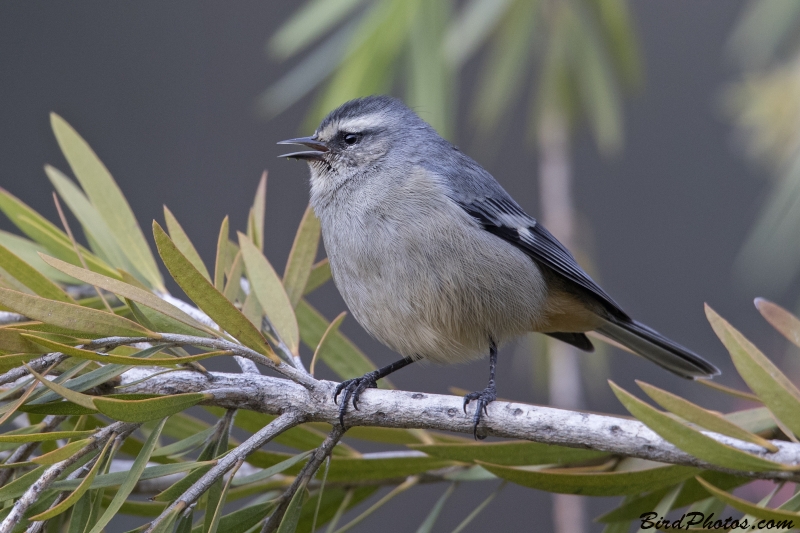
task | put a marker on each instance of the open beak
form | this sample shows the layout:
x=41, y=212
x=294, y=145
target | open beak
x=319, y=148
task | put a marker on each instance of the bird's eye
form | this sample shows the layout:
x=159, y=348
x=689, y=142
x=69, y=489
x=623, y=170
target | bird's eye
x=351, y=138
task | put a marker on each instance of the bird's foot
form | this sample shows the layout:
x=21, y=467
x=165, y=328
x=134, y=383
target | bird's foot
x=353, y=388
x=484, y=398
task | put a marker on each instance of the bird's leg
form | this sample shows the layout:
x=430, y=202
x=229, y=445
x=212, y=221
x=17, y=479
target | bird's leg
x=487, y=395
x=354, y=387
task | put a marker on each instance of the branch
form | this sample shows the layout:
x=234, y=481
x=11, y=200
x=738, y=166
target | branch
x=402, y=409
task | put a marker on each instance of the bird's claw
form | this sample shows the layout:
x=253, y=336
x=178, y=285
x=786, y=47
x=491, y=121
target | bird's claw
x=353, y=388
x=484, y=398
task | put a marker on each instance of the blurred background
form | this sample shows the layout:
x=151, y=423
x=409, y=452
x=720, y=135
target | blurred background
x=659, y=140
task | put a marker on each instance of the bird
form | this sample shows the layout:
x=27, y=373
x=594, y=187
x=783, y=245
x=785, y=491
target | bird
x=438, y=262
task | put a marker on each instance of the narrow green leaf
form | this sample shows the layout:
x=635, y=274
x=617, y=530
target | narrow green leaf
x=117, y=478
x=308, y=24
x=702, y=417
x=509, y=453
x=319, y=275
x=42, y=231
x=185, y=445
x=222, y=261
x=72, y=317
x=271, y=471
x=471, y=516
x=18, y=487
x=31, y=278
x=692, y=441
x=268, y=289
x=233, y=287
x=208, y=298
x=126, y=290
x=151, y=409
x=56, y=408
x=40, y=437
x=134, y=473
x=341, y=356
x=333, y=328
x=301, y=258
x=59, y=454
x=29, y=251
x=165, y=525
x=179, y=487
x=183, y=243
x=83, y=400
x=595, y=483
x=73, y=498
x=94, y=227
x=764, y=378
x=781, y=319
x=292, y=515
x=120, y=359
x=107, y=198
x=430, y=520
x=80, y=514
x=746, y=507
x=666, y=504
x=258, y=212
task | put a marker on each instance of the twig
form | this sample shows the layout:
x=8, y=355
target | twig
x=38, y=365
x=285, y=421
x=303, y=478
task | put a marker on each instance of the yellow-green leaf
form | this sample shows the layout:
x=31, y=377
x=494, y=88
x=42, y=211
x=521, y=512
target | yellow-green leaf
x=747, y=507
x=84, y=400
x=333, y=328
x=73, y=498
x=692, y=441
x=59, y=454
x=72, y=317
x=702, y=417
x=595, y=483
x=41, y=437
x=764, y=378
x=268, y=289
x=151, y=409
x=301, y=258
x=183, y=243
x=781, y=319
x=208, y=298
x=320, y=274
x=257, y=214
x=222, y=260
x=30, y=277
x=120, y=359
x=126, y=290
x=107, y=198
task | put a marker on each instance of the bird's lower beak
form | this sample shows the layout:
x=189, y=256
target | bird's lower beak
x=319, y=148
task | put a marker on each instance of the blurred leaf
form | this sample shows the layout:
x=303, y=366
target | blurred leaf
x=271, y=471
x=45, y=233
x=29, y=251
x=30, y=277
x=781, y=319
x=132, y=478
x=320, y=274
x=702, y=417
x=268, y=289
x=430, y=520
x=183, y=243
x=378, y=434
x=118, y=478
x=207, y=298
x=256, y=233
x=107, y=198
x=692, y=441
x=39, y=437
x=756, y=420
x=763, y=377
x=472, y=27
x=341, y=356
x=72, y=317
x=509, y=453
x=223, y=259
x=185, y=445
x=747, y=507
x=308, y=24
x=152, y=409
x=301, y=258
x=691, y=492
x=11, y=340
x=344, y=469
x=471, y=516
x=73, y=498
x=94, y=227
x=126, y=290
x=762, y=29
x=595, y=483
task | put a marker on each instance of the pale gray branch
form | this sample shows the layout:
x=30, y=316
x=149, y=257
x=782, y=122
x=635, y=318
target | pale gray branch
x=403, y=409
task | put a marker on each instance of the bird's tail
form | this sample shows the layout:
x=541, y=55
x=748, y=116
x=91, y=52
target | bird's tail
x=653, y=346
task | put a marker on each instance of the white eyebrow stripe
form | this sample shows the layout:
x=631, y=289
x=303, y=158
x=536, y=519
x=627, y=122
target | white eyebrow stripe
x=361, y=123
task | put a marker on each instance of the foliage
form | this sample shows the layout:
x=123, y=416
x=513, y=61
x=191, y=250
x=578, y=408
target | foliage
x=93, y=313
x=585, y=52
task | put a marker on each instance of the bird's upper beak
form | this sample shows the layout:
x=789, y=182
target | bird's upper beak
x=319, y=148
